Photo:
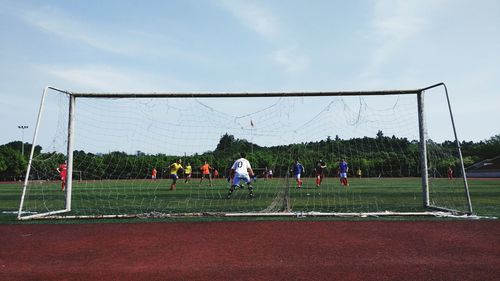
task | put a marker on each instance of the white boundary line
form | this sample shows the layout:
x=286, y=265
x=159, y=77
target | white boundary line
x=279, y=214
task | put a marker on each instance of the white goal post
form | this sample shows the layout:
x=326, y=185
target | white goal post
x=108, y=186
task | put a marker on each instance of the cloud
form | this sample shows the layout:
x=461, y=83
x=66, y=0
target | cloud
x=291, y=60
x=267, y=25
x=392, y=26
x=254, y=17
x=126, y=42
x=57, y=23
x=397, y=20
x=108, y=79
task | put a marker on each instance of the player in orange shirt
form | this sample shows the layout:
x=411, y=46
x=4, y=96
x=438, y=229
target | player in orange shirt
x=205, y=172
x=62, y=170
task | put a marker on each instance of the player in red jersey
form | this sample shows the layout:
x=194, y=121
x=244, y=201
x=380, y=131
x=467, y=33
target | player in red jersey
x=320, y=172
x=153, y=173
x=62, y=170
x=450, y=173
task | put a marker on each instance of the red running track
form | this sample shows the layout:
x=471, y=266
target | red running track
x=268, y=250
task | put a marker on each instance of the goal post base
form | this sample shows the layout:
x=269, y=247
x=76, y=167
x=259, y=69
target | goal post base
x=35, y=215
x=442, y=209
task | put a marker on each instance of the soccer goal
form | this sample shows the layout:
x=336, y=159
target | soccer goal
x=400, y=147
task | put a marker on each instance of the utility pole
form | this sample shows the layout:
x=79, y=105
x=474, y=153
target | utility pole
x=22, y=127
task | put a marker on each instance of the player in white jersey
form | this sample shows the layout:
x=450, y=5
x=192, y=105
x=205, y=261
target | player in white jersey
x=241, y=171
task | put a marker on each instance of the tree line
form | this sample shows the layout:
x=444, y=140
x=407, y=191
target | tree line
x=374, y=156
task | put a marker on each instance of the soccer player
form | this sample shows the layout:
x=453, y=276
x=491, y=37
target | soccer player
x=450, y=173
x=297, y=170
x=188, y=170
x=359, y=173
x=205, y=172
x=265, y=174
x=153, y=173
x=320, y=172
x=62, y=170
x=241, y=171
x=174, y=168
x=343, y=169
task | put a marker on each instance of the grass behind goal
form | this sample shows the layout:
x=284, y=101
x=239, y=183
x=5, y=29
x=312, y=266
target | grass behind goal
x=147, y=196
x=392, y=193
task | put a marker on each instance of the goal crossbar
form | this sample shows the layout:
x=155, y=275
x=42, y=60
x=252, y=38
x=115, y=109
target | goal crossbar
x=240, y=94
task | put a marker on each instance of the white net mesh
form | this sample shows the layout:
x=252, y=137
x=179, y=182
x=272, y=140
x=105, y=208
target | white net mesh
x=117, y=143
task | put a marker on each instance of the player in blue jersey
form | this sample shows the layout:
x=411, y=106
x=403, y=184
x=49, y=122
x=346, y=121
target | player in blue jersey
x=297, y=170
x=343, y=169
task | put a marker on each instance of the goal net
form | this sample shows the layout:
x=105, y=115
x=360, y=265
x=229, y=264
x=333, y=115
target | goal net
x=113, y=142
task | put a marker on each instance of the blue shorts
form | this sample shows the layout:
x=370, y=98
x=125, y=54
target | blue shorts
x=174, y=177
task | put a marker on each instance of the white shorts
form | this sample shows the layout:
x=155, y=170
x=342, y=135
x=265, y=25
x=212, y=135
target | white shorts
x=343, y=175
x=237, y=178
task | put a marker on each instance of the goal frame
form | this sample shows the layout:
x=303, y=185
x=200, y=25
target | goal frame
x=420, y=93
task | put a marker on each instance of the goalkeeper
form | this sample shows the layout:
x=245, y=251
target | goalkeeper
x=241, y=171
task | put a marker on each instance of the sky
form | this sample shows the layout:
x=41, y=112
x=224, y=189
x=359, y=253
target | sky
x=251, y=46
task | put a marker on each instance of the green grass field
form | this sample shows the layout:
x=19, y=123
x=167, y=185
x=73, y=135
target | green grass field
x=145, y=196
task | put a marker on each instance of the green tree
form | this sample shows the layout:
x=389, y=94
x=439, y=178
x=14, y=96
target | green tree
x=14, y=164
x=380, y=135
x=225, y=142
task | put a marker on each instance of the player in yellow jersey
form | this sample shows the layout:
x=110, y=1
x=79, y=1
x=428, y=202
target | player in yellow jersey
x=188, y=170
x=174, y=169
